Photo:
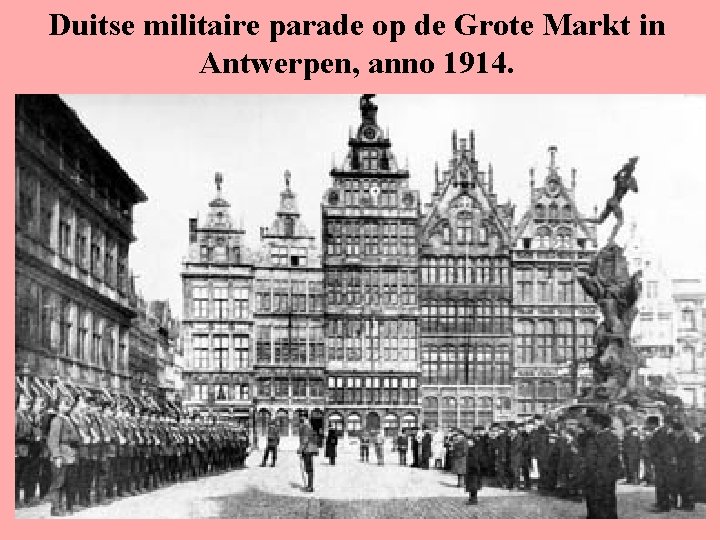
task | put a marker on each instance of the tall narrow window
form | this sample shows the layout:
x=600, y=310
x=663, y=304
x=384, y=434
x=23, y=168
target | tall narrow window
x=464, y=228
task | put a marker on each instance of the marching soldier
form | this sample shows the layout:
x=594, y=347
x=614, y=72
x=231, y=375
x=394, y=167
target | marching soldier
x=96, y=449
x=63, y=440
x=683, y=468
x=24, y=438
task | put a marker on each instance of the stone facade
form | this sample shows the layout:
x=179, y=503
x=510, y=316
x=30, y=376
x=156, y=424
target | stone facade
x=370, y=218
x=289, y=372
x=553, y=318
x=217, y=278
x=465, y=296
x=73, y=227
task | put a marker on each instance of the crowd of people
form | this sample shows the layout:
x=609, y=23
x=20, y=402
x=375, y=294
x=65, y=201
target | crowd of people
x=80, y=450
x=571, y=459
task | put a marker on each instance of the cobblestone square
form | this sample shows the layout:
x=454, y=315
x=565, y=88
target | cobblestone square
x=350, y=489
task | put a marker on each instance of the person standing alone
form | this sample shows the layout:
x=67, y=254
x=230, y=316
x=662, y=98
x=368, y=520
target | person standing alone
x=307, y=451
x=273, y=440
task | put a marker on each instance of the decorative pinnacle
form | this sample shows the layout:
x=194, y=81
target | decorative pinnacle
x=219, y=182
x=287, y=178
x=553, y=150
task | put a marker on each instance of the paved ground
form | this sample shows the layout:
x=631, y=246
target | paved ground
x=348, y=490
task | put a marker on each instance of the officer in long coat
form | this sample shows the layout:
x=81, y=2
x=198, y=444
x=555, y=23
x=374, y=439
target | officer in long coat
x=602, y=468
x=84, y=468
x=519, y=457
x=425, y=448
x=39, y=454
x=63, y=440
x=415, y=447
x=499, y=446
x=308, y=450
x=700, y=467
x=475, y=458
x=459, y=457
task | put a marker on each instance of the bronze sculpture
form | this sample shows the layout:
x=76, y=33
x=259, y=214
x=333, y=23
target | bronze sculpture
x=624, y=182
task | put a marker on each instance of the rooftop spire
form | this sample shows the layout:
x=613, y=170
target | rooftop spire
x=553, y=150
x=218, y=183
x=287, y=179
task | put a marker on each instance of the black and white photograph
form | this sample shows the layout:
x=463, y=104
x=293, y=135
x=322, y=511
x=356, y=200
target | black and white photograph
x=360, y=306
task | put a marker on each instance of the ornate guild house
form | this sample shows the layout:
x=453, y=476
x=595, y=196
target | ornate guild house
x=289, y=313
x=465, y=328
x=217, y=278
x=370, y=216
x=553, y=318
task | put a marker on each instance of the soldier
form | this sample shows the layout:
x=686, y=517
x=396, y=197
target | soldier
x=364, y=446
x=554, y=451
x=110, y=449
x=24, y=437
x=84, y=465
x=539, y=441
x=602, y=468
x=475, y=458
x=308, y=450
x=401, y=443
x=63, y=439
x=648, y=471
x=415, y=445
x=125, y=452
x=96, y=449
x=631, y=455
x=39, y=453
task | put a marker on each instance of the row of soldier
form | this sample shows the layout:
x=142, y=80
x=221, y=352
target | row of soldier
x=82, y=450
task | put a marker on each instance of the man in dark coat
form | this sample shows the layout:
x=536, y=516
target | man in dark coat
x=631, y=455
x=519, y=457
x=307, y=451
x=415, y=443
x=331, y=443
x=24, y=437
x=538, y=439
x=475, y=458
x=500, y=445
x=63, y=440
x=401, y=443
x=425, y=448
x=273, y=440
x=662, y=458
x=683, y=468
x=700, y=464
x=602, y=468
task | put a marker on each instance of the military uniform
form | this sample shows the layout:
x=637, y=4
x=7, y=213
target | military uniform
x=402, y=447
x=63, y=440
x=84, y=467
x=364, y=446
x=539, y=449
x=475, y=458
x=661, y=456
x=308, y=449
x=24, y=438
x=39, y=453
